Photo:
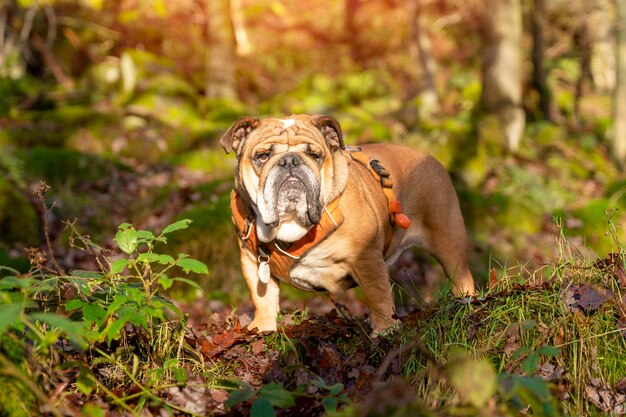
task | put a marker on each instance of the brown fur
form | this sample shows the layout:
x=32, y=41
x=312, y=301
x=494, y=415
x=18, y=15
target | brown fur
x=354, y=252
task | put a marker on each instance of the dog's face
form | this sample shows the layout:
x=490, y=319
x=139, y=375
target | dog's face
x=289, y=168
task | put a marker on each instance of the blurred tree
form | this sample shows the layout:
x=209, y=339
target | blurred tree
x=583, y=42
x=352, y=32
x=244, y=47
x=602, y=46
x=619, y=103
x=539, y=76
x=501, y=69
x=220, y=53
x=423, y=63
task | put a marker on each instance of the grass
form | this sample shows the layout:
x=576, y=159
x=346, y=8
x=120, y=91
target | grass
x=527, y=340
x=511, y=323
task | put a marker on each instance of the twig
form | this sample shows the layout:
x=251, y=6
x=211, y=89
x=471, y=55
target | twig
x=41, y=192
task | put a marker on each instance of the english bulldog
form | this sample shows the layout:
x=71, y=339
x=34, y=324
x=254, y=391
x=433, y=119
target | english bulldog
x=314, y=213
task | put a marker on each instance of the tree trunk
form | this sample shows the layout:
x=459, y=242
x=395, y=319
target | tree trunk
x=540, y=82
x=220, y=55
x=582, y=39
x=619, y=103
x=502, y=69
x=602, y=46
x=423, y=63
x=241, y=35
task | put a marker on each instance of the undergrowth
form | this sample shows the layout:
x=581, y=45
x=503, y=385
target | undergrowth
x=548, y=344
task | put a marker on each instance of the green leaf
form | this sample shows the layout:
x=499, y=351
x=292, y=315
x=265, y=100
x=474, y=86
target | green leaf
x=126, y=240
x=261, y=407
x=148, y=257
x=10, y=282
x=166, y=259
x=549, y=351
x=117, y=302
x=92, y=410
x=277, y=395
x=9, y=315
x=330, y=404
x=118, y=266
x=94, y=313
x=165, y=282
x=180, y=374
x=145, y=235
x=72, y=329
x=112, y=331
x=520, y=351
x=86, y=274
x=179, y=225
x=193, y=265
x=153, y=257
x=530, y=364
x=474, y=380
x=241, y=395
x=188, y=281
x=335, y=389
x=85, y=381
x=73, y=304
x=124, y=226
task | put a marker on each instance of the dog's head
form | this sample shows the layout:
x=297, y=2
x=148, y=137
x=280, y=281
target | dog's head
x=289, y=168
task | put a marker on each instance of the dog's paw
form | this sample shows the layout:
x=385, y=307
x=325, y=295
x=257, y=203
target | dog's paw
x=387, y=328
x=262, y=326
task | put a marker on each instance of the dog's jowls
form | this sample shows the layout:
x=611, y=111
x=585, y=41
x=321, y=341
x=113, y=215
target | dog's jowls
x=290, y=170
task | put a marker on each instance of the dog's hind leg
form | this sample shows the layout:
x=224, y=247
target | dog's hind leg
x=447, y=241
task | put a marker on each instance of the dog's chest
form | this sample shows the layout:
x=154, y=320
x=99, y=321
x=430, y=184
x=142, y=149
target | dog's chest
x=321, y=269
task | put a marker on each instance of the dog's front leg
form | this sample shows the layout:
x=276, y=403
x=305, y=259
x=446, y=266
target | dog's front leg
x=372, y=276
x=264, y=296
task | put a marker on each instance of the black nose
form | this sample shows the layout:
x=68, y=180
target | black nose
x=289, y=160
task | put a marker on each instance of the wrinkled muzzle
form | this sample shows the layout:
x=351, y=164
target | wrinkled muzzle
x=291, y=189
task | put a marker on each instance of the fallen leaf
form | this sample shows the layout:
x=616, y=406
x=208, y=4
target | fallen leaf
x=550, y=372
x=493, y=278
x=192, y=397
x=621, y=386
x=258, y=346
x=605, y=397
x=584, y=297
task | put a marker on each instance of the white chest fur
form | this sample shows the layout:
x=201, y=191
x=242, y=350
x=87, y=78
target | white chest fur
x=320, y=270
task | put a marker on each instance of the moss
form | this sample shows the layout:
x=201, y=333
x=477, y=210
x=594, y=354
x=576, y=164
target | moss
x=18, y=218
x=591, y=219
x=506, y=320
x=211, y=239
x=19, y=263
x=211, y=161
x=61, y=166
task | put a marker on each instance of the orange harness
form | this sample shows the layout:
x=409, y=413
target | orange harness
x=282, y=259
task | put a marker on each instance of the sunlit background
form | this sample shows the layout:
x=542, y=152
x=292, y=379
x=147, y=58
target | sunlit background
x=119, y=106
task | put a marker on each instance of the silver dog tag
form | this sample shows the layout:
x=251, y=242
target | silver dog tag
x=264, y=272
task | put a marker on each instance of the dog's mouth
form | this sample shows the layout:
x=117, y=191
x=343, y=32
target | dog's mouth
x=292, y=194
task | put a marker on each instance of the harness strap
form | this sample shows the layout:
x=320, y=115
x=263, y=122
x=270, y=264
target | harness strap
x=378, y=171
x=282, y=256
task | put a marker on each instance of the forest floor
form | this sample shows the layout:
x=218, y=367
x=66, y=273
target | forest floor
x=550, y=340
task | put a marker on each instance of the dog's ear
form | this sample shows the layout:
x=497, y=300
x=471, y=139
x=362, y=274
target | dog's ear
x=330, y=130
x=237, y=133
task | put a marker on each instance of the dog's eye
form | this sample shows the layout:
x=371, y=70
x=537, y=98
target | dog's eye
x=262, y=158
x=315, y=155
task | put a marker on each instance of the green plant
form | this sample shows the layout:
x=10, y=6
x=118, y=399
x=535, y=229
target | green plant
x=116, y=315
x=275, y=395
